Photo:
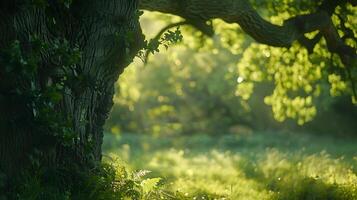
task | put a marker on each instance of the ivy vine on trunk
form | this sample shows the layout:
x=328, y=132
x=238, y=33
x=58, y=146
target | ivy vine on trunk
x=58, y=64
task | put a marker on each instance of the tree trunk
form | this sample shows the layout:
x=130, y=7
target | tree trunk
x=108, y=36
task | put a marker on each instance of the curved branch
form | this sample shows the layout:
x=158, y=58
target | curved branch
x=160, y=33
x=242, y=13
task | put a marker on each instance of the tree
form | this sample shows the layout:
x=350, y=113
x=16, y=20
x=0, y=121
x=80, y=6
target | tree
x=59, y=61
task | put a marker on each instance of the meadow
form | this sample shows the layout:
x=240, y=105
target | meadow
x=257, y=166
x=172, y=120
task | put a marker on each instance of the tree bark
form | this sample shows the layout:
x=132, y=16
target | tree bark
x=108, y=35
x=242, y=13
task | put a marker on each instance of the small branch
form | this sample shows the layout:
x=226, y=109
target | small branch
x=160, y=33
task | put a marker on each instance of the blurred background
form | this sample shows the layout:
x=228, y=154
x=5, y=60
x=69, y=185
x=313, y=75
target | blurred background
x=223, y=117
x=226, y=83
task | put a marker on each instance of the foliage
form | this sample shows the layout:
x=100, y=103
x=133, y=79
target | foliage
x=150, y=47
x=37, y=75
x=299, y=75
x=225, y=81
x=106, y=182
x=40, y=181
x=183, y=97
x=265, y=165
x=41, y=99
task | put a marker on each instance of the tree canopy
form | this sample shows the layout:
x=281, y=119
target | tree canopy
x=60, y=59
x=303, y=46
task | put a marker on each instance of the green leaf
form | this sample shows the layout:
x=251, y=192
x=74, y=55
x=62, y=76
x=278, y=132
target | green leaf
x=149, y=184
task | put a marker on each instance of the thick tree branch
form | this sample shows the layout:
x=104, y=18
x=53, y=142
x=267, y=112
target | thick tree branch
x=242, y=13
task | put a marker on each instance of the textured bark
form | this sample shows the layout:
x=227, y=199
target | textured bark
x=95, y=27
x=100, y=30
x=242, y=13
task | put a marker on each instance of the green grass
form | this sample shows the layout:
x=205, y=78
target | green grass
x=258, y=166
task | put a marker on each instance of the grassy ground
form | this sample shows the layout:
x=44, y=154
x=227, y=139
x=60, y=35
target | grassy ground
x=258, y=166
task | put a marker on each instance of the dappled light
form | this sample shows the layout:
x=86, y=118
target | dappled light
x=233, y=166
x=178, y=100
x=214, y=120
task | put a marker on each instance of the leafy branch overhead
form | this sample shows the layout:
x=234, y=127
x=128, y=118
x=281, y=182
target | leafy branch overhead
x=316, y=42
x=242, y=13
x=165, y=37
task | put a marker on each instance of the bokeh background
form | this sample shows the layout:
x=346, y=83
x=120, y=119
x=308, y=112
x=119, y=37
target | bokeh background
x=226, y=118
